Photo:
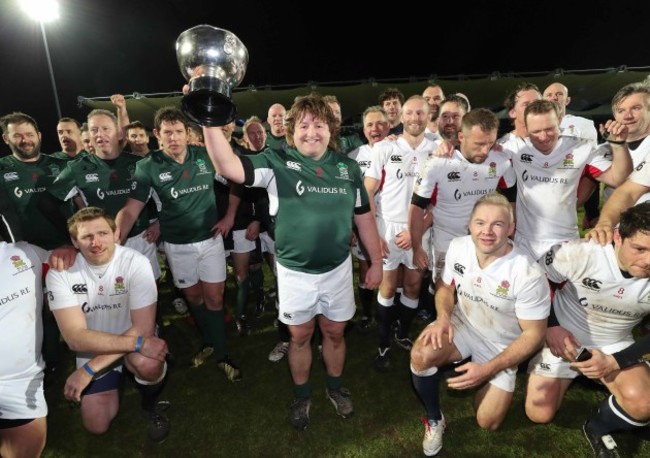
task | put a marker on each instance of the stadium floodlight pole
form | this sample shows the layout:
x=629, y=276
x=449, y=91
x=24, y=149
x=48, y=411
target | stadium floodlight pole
x=45, y=11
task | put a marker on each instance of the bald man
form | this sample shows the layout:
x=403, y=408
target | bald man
x=574, y=126
x=275, y=119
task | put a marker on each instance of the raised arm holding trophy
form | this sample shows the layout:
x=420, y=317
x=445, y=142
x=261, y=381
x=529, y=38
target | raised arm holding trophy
x=214, y=62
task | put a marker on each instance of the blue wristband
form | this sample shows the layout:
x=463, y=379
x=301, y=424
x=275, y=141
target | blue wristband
x=138, y=344
x=89, y=370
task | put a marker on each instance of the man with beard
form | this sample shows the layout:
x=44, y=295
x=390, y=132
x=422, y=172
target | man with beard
x=69, y=132
x=434, y=95
x=452, y=110
x=455, y=184
x=395, y=166
x=25, y=175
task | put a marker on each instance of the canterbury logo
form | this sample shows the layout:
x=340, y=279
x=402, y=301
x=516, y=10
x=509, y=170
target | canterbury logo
x=548, y=259
x=453, y=176
x=528, y=158
x=396, y=158
x=80, y=288
x=591, y=283
x=459, y=268
x=294, y=166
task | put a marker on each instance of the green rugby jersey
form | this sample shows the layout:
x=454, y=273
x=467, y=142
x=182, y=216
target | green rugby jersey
x=349, y=142
x=24, y=181
x=314, y=203
x=184, y=194
x=64, y=156
x=101, y=183
x=273, y=142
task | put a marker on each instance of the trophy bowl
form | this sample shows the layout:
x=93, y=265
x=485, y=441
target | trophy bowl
x=214, y=62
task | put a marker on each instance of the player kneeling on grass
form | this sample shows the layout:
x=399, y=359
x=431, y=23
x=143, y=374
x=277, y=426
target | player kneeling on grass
x=500, y=320
x=603, y=294
x=105, y=306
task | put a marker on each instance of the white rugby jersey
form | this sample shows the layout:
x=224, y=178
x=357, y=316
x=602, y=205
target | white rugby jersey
x=363, y=156
x=21, y=304
x=577, y=126
x=492, y=300
x=595, y=301
x=547, y=186
x=511, y=142
x=454, y=185
x=397, y=165
x=126, y=284
x=638, y=155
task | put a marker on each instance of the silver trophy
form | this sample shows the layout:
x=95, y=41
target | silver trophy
x=214, y=62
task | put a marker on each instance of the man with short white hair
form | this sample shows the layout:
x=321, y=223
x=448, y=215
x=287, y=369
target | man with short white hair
x=275, y=119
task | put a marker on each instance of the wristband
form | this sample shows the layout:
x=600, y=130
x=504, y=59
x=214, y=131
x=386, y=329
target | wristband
x=88, y=369
x=617, y=142
x=138, y=344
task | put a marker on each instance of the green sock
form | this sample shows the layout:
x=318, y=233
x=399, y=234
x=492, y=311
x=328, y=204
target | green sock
x=200, y=315
x=242, y=297
x=333, y=383
x=302, y=391
x=217, y=327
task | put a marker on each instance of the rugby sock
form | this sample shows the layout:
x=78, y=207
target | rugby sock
x=200, y=315
x=426, y=300
x=217, y=326
x=242, y=297
x=384, y=319
x=302, y=391
x=408, y=308
x=612, y=417
x=427, y=384
x=150, y=393
x=256, y=278
x=333, y=383
x=366, y=296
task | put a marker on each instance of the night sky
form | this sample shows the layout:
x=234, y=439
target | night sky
x=103, y=47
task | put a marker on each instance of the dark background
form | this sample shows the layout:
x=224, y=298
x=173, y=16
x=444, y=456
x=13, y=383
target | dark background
x=103, y=47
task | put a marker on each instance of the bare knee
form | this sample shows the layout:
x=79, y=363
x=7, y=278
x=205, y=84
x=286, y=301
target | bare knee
x=635, y=400
x=540, y=414
x=488, y=422
x=97, y=425
x=418, y=359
